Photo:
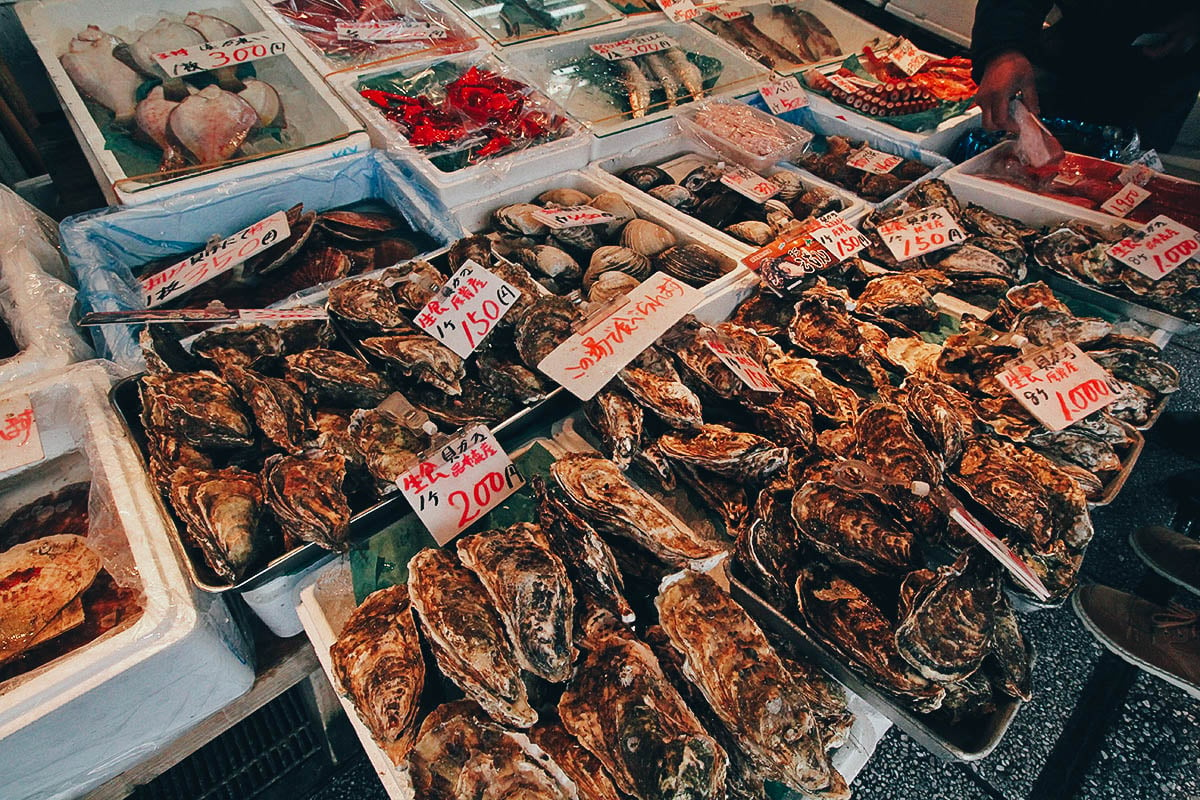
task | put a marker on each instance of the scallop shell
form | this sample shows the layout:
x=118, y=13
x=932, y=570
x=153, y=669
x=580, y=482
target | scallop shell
x=613, y=258
x=616, y=205
x=562, y=198
x=647, y=238
x=673, y=195
x=518, y=220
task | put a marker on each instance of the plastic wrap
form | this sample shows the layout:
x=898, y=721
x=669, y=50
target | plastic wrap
x=104, y=247
x=524, y=20
x=745, y=134
x=100, y=707
x=1109, y=142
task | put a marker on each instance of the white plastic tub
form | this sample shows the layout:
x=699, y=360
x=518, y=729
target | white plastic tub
x=96, y=711
x=319, y=126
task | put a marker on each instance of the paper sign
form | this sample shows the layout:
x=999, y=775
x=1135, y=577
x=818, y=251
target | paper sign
x=920, y=232
x=1136, y=173
x=464, y=311
x=750, y=184
x=680, y=10
x=728, y=14
x=282, y=314
x=844, y=83
x=907, y=57
x=220, y=53
x=997, y=548
x=215, y=260
x=870, y=160
x=839, y=237
x=591, y=358
x=396, y=30
x=785, y=94
x=572, y=217
x=749, y=371
x=458, y=484
x=1125, y=200
x=791, y=259
x=1158, y=248
x=20, y=442
x=633, y=46
x=1059, y=384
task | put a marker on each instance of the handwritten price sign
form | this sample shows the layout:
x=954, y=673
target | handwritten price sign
x=633, y=46
x=907, y=57
x=728, y=14
x=921, y=232
x=785, y=94
x=680, y=10
x=572, y=217
x=218, y=259
x=1126, y=200
x=402, y=30
x=457, y=485
x=1059, y=385
x=464, y=311
x=750, y=184
x=749, y=371
x=839, y=237
x=871, y=160
x=20, y=442
x=1161, y=246
x=220, y=53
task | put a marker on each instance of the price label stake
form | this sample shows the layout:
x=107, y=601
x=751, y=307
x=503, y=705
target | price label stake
x=785, y=94
x=464, y=311
x=220, y=53
x=1059, y=384
x=750, y=184
x=870, y=160
x=1158, y=248
x=572, y=217
x=1126, y=200
x=217, y=314
x=20, y=442
x=457, y=484
x=748, y=371
x=680, y=10
x=921, y=232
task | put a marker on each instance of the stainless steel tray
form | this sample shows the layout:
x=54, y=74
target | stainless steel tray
x=1128, y=460
x=1109, y=302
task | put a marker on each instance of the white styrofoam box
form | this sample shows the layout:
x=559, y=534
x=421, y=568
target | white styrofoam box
x=1032, y=209
x=464, y=38
x=504, y=26
x=950, y=19
x=81, y=719
x=477, y=180
x=275, y=601
x=939, y=140
x=319, y=126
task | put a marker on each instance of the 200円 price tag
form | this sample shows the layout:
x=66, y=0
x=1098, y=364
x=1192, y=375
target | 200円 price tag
x=920, y=232
x=1059, y=384
x=460, y=482
x=750, y=184
x=20, y=441
x=462, y=313
x=748, y=371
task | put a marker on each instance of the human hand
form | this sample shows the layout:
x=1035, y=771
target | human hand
x=1181, y=36
x=1005, y=75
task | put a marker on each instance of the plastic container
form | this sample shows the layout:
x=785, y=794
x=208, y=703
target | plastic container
x=511, y=23
x=104, y=246
x=845, y=122
x=94, y=712
x=569, y=151
x=786, y=142
x=318, y=127
x=950, y=19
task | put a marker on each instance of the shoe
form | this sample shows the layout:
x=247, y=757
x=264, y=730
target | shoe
x=1163, y=641
x=1171, y=554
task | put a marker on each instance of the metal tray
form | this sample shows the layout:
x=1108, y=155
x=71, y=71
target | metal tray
x=1109, y=302
x=1128, y=460
x=967, y=742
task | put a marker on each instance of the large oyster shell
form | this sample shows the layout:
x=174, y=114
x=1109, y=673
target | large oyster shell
x=421, y=358
x=619, y=422
x=475, y=405
x=336, y=379
x=547, y=324
x=803, y=376
x=852, y=528
x=388, y=447
x=734, y=454
x=198, y=406
x=220, y=510
x=305, y=494
x=580, y=766
x=366, y=304
x=279, y=410
x=251, y=346
x=666, y=397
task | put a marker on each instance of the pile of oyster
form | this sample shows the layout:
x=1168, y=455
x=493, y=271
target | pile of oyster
x=831, y=166
x=564, y=693
x=263, y=438
x=701, y=194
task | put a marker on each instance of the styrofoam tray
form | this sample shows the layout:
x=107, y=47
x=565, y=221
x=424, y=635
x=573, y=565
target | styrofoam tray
x=845, y=122
x=96, y=711
x=950, y=19
x=329, y=129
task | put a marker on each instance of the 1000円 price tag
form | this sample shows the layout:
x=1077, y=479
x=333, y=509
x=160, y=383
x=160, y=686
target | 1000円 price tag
x=1159, y=248
x=1059, y=384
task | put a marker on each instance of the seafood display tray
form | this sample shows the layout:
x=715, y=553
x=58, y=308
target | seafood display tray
x=950, y=743
x=1118, y=305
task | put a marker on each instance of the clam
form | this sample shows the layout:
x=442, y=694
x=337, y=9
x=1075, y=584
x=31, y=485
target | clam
x=647, y=238
x=549, y=260
x=614, y=258
x=608, y=285
x=721, y=208
x=789, y=183
x=562, y=198
x=646, y=177
x=752, y=231
x=582, y=239
x=616, y=205
x=702, y=177
x=693, y=263
x=673, y=195
x=517, y=219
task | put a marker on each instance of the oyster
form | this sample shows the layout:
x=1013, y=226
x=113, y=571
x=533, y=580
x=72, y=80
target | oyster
x=378, y=662
x=250, y=346
x=788, y=420
x=278, y=409
x=474, y=405
x=301, y=334
x=1008, y=663
x=548, y=323
x=421, y=358
x=903, y=297
x=530, y=590
x=767, y=550
x=727, y=656
x=989, y=472
x=852, y=528
x=821, y=327
x=647, y=238
x=580, y=766
x=646, y=177
x=1044, y=326
x=765, y=313
x=166, y=453
x=499, y=368
x=40, y=580
x=980, y=221
x=935, y=192
x=802, y=376
x=305, y=494
x=968, y=699
x=598, y=489
x=388, y=447
x=366, y=304
x=668, y=398
x=887, y=441
x=973, y=261
x=220, y=510
x=336, y=379
x=619, y=422
x=621, y=707
x=414, y=283
x=519, y=219
x=1078, y=448
x=198, y=406
x=733, y=454
x=1147, y=371
x=942, y=415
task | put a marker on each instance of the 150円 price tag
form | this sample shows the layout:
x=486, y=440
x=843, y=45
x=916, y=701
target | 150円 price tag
x=920, y=232
x=20, y=441
x=1059, y=384
x=457, y=484
x=462, y=313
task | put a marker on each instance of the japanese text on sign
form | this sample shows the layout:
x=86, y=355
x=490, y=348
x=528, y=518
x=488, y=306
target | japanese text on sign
x=870, y=160
x=1059, y=384
x=785, y=94
x=591, y=358
x=459, y=483
x=791, y=259
x=220, y=53
x=1126, y=200
x=464, y=311
x=20, y=442
x=750, y=184
x=920, y=232
x=843, y=83
x=214, y=260
x=907, y=57
x=572, y=217
x=399, y=30
x=633, y=46
x=728, y=14
x=683, y=10
x=839, y=237
x=1159, y=248
x=749, y=371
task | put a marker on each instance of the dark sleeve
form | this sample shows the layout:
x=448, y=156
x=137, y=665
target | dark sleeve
x=1005, y=25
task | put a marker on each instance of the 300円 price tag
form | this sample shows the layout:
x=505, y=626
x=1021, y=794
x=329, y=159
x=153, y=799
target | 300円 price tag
x=463, y=480
x=572, y=217
x=20, y=441
x=1059, y=384
x=220, y=53
x=783, y=95
x=920, y=232
x=1158, y=248
x=462, y=313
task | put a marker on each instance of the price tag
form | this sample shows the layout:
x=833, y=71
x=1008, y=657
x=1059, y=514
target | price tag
x=593, y=356
x=468, y=477
x=839, y=237
x=464, y=311
x=680, y=10
x=633, y=46
x=20, y=442
x=1136, y=173
x=920, y=232
x=1158, y=248
x=572, y=217
x=1058, y=384
x=997, y=548
x=396, y=30
x=220, y=53
x=785, y=94
x=844, y=83
x=1125, y=200
x=750, y=184
x=907, y=57
x=749, y=371
x=215, y=260
x=870, y=160
x=728, y=14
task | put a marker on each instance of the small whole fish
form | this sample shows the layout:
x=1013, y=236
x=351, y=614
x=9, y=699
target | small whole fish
x=662, y=72
x=636, y=87
x=688, y=73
